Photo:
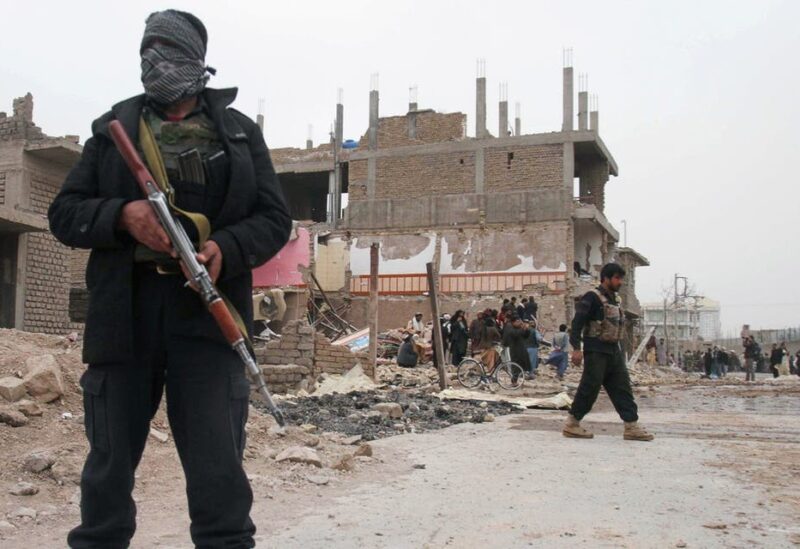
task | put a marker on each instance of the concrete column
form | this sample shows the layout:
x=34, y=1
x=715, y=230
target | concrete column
x=309, y=144
x=338, y=134
x=503, y=124
x=583, y=110
x=412, y=120
x=372, y=168
x=569, y=102
x=260, y=122
x=517, y=120
x=479, y=169
x=332, y=197
x=480, y=107
x=412, y=125
x=594, y=121
x=373, y=120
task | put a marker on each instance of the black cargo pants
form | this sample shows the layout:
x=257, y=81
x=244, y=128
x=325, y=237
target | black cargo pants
x=605, y=370
x=207, y=403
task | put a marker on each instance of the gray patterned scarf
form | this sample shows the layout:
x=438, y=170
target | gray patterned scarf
x=173, y=55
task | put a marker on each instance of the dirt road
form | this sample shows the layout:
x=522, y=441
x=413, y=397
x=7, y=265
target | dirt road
x=722, y=473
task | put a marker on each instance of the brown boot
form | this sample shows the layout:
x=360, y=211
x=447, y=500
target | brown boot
x=634, y=431
x=573, y=429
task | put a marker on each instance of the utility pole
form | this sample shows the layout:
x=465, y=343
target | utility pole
x=438, y=346
x=373, y=308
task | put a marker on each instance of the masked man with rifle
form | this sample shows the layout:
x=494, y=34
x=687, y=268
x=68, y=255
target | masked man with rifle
x=145, y=329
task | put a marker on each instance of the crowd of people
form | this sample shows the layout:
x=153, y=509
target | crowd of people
x=715, y=362
x=513, y=326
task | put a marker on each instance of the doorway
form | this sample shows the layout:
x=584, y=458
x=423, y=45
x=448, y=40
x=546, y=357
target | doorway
x=8, y=278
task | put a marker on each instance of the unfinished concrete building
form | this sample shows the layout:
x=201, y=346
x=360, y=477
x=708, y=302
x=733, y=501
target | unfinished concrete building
x=513, y=215
x=37, y=273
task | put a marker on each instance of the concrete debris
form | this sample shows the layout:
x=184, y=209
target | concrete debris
x=561, y=401
x=345, y=463
x=389, y=409
x=12, y=388
x=354, y=414
x=319, y=480
x=352, y=440
x=6, y=527
x=308, y=427
x=67, y=472
x=23, y=513
x=12, y=418
x=38, y=462
x=300, y=454
x=29, y=408
x=159, y=435
x=363, y=450
x=24, y=489
x=354, y=380
x=43, y=380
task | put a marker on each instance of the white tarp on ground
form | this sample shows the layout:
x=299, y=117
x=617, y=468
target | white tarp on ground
x=561, y=401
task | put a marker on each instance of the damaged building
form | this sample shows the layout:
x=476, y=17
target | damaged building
x=39, y=277
x=498, y=216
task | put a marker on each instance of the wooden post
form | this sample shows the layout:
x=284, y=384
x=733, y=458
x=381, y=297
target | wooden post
x=373, y=308
x=438, y=356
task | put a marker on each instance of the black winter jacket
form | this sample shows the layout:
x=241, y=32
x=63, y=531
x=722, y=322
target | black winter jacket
x=252, y=226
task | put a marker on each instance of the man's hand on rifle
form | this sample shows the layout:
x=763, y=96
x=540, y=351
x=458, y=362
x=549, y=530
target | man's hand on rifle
x=140, y=221
x=211, y=257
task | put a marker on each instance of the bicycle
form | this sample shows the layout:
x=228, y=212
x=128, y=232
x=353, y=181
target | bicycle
x=507, y=374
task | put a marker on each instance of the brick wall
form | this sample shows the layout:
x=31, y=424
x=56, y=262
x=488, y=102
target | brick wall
x=47, y=273
x=20, y=125
x=337, y=359
x=294, y=361
x=431, y=127
x=425, y=175
x=416, y=175
x=515, y=168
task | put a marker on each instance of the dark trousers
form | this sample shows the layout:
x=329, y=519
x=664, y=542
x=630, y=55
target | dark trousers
x=207, y=404
x=607, y=371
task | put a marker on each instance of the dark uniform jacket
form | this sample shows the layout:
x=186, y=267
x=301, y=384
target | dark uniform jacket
x=253, y=224
x=591, y=308
x=458, y=337
x=514, y=339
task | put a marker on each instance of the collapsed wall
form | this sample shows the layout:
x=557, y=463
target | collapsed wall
x=301, y=355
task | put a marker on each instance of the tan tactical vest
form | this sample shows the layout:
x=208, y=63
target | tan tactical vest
x=611, y=327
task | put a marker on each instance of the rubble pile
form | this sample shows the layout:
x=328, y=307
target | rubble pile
x=380, y=414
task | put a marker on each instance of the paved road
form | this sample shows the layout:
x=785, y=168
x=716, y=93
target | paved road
x=518, y=483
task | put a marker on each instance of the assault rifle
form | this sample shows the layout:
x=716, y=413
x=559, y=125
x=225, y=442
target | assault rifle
x=188, y=255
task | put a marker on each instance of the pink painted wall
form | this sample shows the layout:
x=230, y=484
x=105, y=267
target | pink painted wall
x=282, y=270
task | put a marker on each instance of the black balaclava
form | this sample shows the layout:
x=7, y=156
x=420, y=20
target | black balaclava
x=173, y=55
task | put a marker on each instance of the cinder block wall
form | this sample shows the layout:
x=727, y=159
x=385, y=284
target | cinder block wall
x=294, y=361
x=47, y=277
x=430, y=174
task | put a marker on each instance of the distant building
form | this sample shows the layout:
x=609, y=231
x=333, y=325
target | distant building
x=690, y=321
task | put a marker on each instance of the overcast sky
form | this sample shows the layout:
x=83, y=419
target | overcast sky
x=698, y=102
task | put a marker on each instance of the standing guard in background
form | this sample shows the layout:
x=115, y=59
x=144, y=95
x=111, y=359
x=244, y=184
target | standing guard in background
x=146, y=330
x=598, y=326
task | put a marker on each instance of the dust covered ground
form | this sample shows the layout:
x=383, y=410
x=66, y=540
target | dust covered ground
x=722, y=472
